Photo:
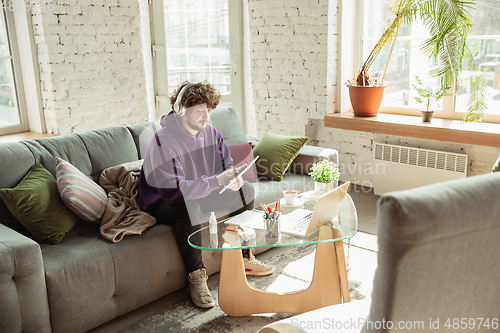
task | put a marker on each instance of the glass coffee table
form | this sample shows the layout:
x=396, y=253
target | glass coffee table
x=329, y=283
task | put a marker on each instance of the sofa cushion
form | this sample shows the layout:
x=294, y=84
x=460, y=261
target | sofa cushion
x=242, y=154
x=15, y=163
x=80, y=280
x=227, y=123
x=142, y=134
x=35, y=202
x=108, y=279
x=69, y=147
x=80, y=194
x=253, y=139
x=108, y=147
x=309, y=155
x=276, y=153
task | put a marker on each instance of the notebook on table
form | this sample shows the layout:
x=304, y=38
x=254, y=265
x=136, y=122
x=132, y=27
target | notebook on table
x=303, y=222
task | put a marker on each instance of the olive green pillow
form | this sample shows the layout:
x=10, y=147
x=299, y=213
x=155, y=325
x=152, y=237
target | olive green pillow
x=276, y=152
x=35, y=202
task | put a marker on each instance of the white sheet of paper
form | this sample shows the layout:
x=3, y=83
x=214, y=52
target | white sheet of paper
x=248, y=218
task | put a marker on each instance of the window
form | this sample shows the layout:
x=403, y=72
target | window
x=197, y=40
x=202, y=42
x=12, y=116
x=407, y=60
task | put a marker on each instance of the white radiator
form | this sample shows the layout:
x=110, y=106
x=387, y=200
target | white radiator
x=400, y=168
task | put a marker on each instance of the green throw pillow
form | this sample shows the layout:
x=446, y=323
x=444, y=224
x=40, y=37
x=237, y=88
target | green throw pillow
x=35, y=202
x=276, y=152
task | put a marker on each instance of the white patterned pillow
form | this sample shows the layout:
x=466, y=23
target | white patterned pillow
x=80, y=194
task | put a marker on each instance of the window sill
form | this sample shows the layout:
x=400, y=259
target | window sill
x=23, y=136
x=483, y=134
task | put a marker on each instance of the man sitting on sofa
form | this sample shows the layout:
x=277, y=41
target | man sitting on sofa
x=186, y=164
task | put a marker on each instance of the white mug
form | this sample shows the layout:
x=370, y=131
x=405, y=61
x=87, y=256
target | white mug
x=290, y=196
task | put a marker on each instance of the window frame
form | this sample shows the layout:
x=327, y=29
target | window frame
x=16, y=79
x=350, y=16
x=160, y=67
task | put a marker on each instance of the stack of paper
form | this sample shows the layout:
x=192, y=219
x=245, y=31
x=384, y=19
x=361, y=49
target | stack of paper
x=248, y=218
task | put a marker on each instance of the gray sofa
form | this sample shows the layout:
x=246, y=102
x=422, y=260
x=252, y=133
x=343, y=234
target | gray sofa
x=86, y=280
x=438, y=265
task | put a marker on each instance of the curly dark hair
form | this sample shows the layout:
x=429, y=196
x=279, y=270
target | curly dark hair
x=200, y=93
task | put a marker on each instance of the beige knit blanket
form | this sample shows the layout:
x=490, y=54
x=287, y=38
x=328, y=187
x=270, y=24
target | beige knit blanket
x=122, y=215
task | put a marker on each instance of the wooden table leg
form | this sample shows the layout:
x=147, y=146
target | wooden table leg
x=238, y=298
x=344, y=284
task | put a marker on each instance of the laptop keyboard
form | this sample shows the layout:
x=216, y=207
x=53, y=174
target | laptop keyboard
x=301, y=224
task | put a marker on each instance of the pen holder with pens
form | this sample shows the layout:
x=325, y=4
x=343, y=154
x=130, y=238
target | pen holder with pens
x=272, y=227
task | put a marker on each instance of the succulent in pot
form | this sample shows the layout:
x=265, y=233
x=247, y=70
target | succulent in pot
x=428, y=97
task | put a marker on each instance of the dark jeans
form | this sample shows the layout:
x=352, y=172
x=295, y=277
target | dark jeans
x=186, y=217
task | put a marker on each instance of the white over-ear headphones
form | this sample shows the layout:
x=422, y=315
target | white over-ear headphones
x=178, y=107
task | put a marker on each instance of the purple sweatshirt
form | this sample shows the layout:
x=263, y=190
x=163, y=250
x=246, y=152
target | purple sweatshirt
x=180, y=166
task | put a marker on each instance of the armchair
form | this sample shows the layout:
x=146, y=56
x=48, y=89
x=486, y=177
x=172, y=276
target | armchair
x=437, y=268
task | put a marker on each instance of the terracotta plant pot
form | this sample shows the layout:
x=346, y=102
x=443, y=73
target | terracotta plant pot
x=426, y=115
x=366, y=101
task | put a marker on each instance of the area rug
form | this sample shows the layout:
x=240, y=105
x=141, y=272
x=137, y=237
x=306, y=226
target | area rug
x=293, y=271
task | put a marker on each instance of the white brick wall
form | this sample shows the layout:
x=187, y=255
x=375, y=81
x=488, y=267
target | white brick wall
x=289, y=60
x=91, y=64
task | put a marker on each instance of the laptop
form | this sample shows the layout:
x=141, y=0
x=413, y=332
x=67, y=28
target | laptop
x=303, y=222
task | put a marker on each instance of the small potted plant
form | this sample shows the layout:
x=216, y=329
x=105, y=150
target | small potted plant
x=428, y=97
x=324, y=174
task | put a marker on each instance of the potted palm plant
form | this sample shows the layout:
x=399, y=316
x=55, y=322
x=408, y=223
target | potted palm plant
x=428, y=97
x=365, y=93
x=449, y=23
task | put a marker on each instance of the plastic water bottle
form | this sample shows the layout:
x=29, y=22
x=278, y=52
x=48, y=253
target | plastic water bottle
x=212, y=223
